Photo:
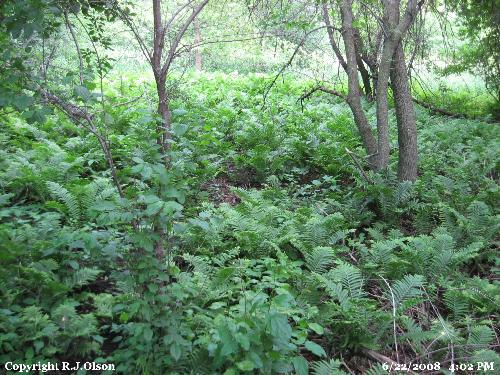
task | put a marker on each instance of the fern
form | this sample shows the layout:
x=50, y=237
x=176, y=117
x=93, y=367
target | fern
x=480, y=336
x=376, y=370
x=319, y=259
x=336, y=291
x=324, y=367
x=98, y=190
x=70, y=201
x=409, y=287
x=456, y=303
x=414, y=332
x=82, y=277
x=351, y=279
x=402, y=193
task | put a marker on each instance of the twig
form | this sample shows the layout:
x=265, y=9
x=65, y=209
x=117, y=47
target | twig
x=440, y=111
x=320, y=88
x=353, y=157
x=346, y=366
x=129, y=101
x=289, y=62
x=77, y=46
x=393, y=318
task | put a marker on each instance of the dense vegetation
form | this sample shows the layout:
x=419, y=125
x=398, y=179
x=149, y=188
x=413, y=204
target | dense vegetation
x=254, y=239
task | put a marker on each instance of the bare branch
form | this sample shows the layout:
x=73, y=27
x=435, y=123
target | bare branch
x=333, y=44
x=179, y=35
x=307, y=94
x=289, y=62
x=130, y=23
x=77, y=46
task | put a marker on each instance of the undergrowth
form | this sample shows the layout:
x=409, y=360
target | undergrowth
x=300, y=266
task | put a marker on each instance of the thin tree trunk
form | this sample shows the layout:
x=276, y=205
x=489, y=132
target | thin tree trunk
x=391, y=14
x=165, y=114
x=354, y=95
x=365, y=76
x=405, y=117
x=163, y=129
x=77, y=46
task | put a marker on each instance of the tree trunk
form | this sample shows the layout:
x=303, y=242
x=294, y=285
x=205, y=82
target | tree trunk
x=163, y=128
x=391, y=15
x=405, y=117
x=197, y=42
x=354, y=95
x=365, y=76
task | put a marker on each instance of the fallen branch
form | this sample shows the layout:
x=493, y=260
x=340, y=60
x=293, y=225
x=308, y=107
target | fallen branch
x=440, y=111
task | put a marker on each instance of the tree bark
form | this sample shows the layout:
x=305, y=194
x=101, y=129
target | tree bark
x=162, y=68
x=163, y=129
x=391, y=13
x=405, y=117
x=365, y=76
x=354, y=95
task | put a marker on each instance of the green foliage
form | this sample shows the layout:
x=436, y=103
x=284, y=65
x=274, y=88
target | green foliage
x=481, y=53
x=279, y=256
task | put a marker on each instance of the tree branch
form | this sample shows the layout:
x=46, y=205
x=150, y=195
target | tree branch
x=307, y=94
x=289, y=62
x=333, y=44
x=179, y=35
x=77, y=46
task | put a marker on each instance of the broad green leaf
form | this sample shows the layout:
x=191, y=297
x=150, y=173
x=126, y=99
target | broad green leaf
x=171, y=206
x=179, y=129
x=148, y=334
x=300, y=365
x=316, y=328
x=154, y=208
x=279, y=326
x=245, y=365
x=176, y=351
x=315, y=349
x=82, y=92
x=229, y=344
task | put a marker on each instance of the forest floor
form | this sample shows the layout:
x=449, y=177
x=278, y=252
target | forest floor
x=281, y=256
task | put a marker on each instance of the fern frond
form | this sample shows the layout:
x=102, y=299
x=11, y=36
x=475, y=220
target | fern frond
x=409, y=287
x=82, y=276
x=456, y=303
x=376, y=370
x=351, y=279
x=319, y=259
x=324, y=367
x=70, y=201
x=336, y=291
x=480, y=336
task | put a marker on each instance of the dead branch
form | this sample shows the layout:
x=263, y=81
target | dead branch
x=289, y=62
x=80, y=116
x=307, y=94
x=358, y=164
x=439, y=111
x=77, y=46
x=75, y=112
